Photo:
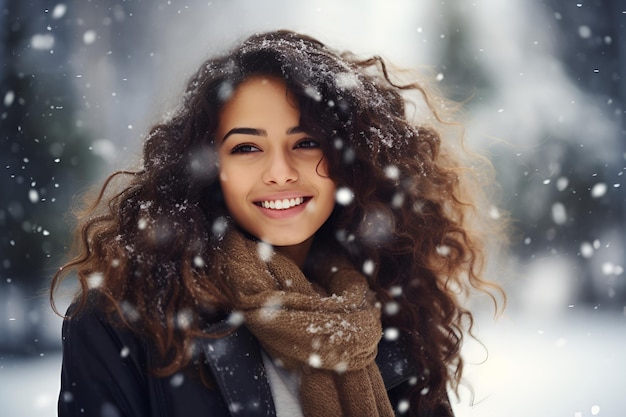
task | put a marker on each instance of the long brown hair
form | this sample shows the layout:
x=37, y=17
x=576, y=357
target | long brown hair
x=416, y=215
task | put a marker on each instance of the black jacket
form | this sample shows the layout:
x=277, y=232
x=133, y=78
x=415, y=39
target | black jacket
x=106, y=373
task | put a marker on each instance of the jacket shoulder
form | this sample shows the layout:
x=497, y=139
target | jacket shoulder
x=104, y=365
x=108, y=369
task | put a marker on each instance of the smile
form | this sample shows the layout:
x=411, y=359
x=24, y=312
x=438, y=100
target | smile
x=283, y=204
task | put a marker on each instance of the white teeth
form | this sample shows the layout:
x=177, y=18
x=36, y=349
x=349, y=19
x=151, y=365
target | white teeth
x=282, y=204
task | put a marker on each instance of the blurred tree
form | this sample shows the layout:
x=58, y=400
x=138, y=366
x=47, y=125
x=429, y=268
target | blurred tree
x=563, y=195
x=45, y=153
x=465, y=77
x=592, y=46
x=592, y=40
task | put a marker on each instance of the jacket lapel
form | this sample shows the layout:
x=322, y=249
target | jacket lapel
x=237, y=366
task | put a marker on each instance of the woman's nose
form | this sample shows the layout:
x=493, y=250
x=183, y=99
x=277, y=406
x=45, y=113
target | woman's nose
x=280, y=169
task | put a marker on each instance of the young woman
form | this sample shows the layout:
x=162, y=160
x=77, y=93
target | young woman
x=294, y=244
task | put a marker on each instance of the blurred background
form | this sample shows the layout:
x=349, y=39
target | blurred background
x=545, y=87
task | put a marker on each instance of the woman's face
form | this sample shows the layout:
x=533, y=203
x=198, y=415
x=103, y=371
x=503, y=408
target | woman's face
x=273, y=174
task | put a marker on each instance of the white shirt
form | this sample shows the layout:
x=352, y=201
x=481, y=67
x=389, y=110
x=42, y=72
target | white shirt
x=284, y=385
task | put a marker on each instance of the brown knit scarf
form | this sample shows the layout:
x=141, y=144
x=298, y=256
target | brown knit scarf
x=328, y=327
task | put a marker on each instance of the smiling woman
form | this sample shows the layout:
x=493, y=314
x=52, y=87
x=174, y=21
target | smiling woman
x=273, y=175
x=294, y=244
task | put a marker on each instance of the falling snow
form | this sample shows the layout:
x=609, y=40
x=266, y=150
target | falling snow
x=559, y=214
x=177, y=380
x=586, y=250
x=198, y=262
x=9, y=97
x=95, y=279
x=392, y=308
x=42, y=41
x=368, y=267
x=89, y=37
x=392, y=172
x=59, y=11
x=584, y=32
x=265, y=251
x=443, y=250
x=344, y=196
x=124, y=352
x=236, y=318
x=33, y=196
x=315, y=361
x=599, y=190
x=517, y=352
x=313, y=93
x=562, y=183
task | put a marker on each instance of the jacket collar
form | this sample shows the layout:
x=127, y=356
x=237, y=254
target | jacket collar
x=237, y=365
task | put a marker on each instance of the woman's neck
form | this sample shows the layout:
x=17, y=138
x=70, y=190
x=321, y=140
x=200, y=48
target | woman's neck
x=297, y=253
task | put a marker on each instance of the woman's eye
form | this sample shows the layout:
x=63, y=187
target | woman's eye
x=308, y=144
x=245, y=148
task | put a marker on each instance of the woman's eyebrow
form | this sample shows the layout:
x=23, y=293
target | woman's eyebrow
x=258, y=132
x=245, y=131
x=294, y=130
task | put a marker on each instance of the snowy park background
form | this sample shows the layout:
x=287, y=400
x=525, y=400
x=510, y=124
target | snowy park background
x=545, y=86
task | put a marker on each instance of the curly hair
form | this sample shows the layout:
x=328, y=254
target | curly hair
x=417, y=209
